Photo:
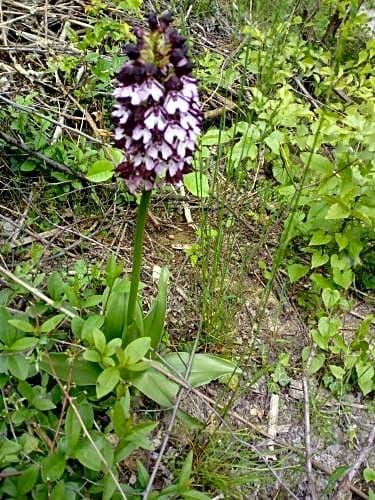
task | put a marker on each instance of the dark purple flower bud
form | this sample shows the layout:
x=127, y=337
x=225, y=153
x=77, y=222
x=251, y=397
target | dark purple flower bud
x=173, y=83
x=150, y=69
x=132, y=51
x=138, y=32
x=177, y=56
x=175, y=39
x=184, y=69
x=153, y=21
x=165, y=20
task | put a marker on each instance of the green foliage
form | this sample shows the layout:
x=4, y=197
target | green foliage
x=103, y=371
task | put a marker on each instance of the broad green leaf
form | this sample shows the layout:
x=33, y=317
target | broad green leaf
x=100, y=171
x=72, y=430
x=337, y=371
x=136, y=350
x=18, y=367
x=185, y=473
x=365, y=376
x=91, y=355
x=320, y=237
x=24, y=344
x=77, y=370
x=99, y=340
x=330, y=297
x=274, y=140
x=297, y=271
x=55, y=286
x=369, y=474
x=204, y=368
x=343, y=278
x=318, y=259
x=111, y=347
x=26, y=390
x=53, y=466
x=338, y=211
x=214, y=137
x=316, y=363
x=92, y=301
x=115, y=314
x=321, y=340
x=156, y=386
x=22, y=325
x=43, y=404
x=52, y=323
x=89, y=325
x=107, y=381
x=8, y=333
x=142, y=475
x=342, y=241
x=197, y=184
x=58, y=492
x=318, y=163
x=121, y=414
x=109, y=486
x=155, y=318
x=136, y=437
x=28, y=166
x=26, y=481
x=86, y=454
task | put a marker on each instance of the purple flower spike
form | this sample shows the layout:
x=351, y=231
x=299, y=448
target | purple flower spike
x=157, y=114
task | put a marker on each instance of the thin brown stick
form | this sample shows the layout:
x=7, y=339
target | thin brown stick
x=36, y=292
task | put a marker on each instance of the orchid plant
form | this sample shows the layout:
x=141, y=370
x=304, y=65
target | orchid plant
x=158, y=119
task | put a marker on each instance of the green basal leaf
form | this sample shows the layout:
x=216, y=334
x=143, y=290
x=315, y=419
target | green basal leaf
x=115, y=314
x=155, y=318
x=77, y=370
x=136, y=350
x=204, y=369
x=185, y=473
x=107, y=381
x=156, y=386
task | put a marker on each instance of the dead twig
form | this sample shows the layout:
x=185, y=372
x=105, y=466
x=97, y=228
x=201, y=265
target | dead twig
x=36, y=292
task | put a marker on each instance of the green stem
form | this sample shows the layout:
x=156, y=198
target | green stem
x=137, y=255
